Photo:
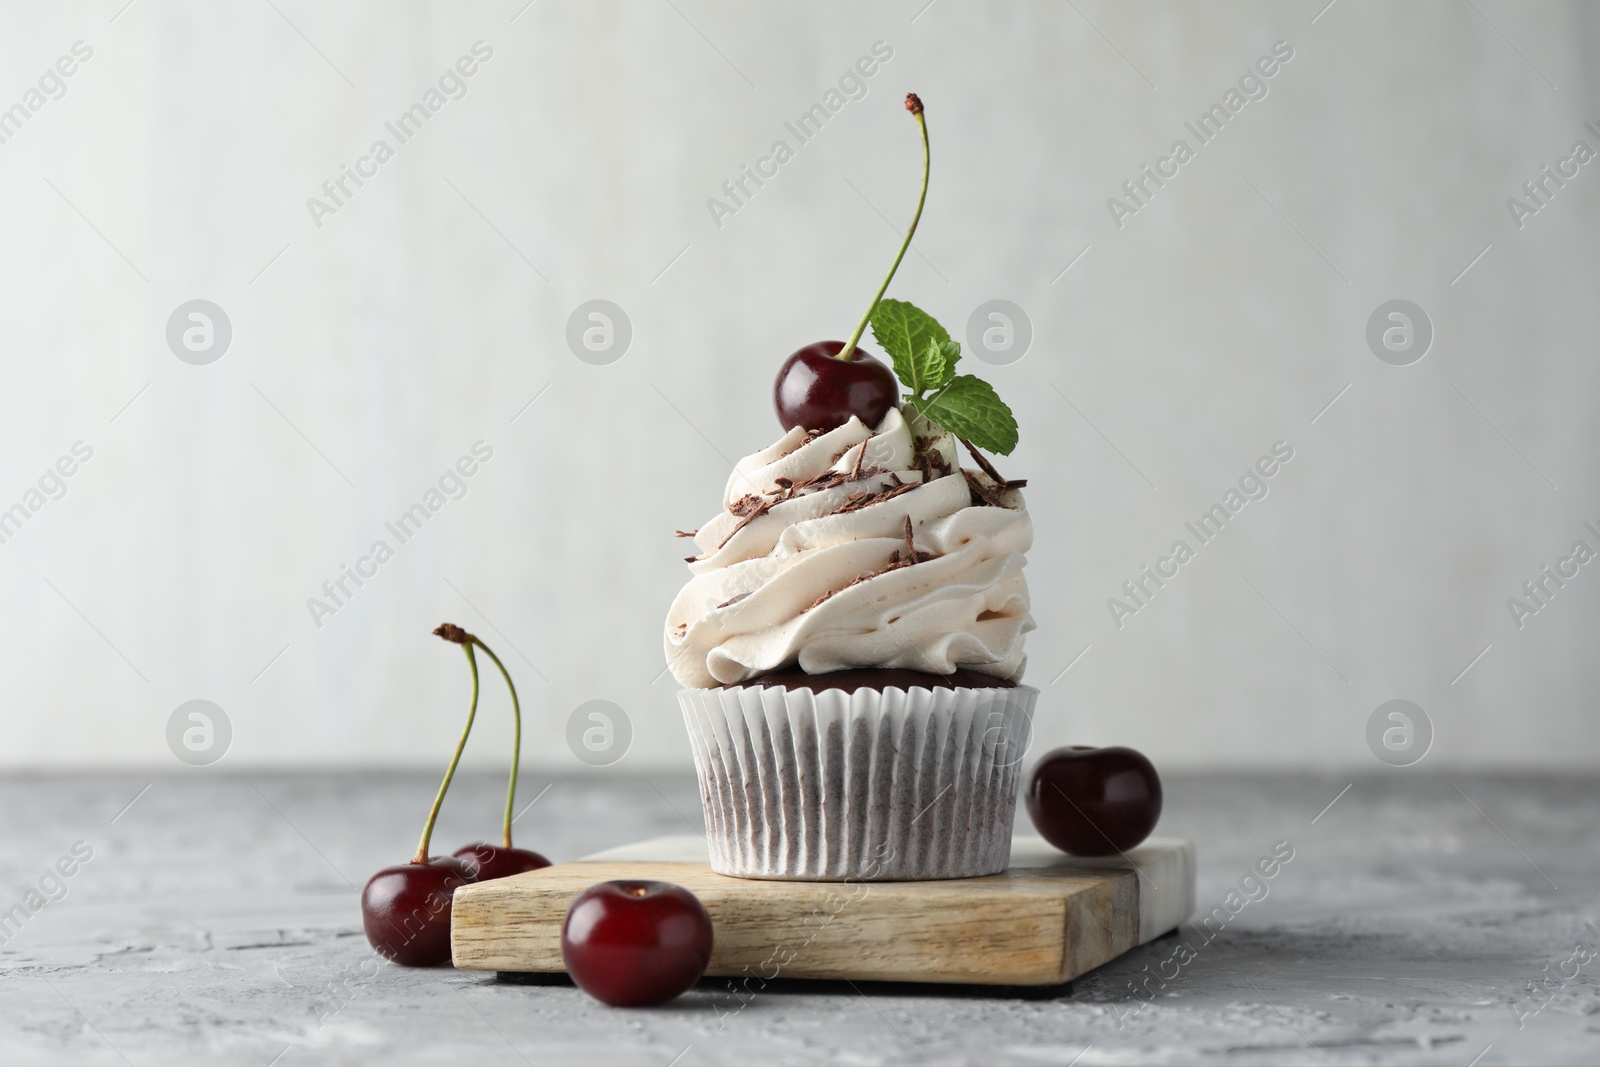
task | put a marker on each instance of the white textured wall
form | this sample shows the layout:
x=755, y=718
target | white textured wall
x=426, y=312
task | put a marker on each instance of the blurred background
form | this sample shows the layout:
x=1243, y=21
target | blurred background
x=229, y=364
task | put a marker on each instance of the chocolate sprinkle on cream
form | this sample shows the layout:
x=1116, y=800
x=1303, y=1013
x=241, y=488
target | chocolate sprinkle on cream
x=933, y=465
x=897, y=561
x=685, y=533
x=731, y=601
x=982, y=492
x=866, y=498
x=747, y=504
x=751, y=507
x=983, y=462
x=988, y=468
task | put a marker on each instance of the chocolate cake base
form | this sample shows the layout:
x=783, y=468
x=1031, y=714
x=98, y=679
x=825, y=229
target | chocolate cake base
x=878, y=678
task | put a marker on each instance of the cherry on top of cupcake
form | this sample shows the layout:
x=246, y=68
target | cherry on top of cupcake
x=823, y=384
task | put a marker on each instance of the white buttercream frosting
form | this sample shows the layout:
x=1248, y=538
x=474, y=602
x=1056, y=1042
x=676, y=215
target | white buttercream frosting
x=800, y=569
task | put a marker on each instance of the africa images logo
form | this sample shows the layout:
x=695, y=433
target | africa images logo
x=1252, y=85
x=452, y=85
x=805, y=129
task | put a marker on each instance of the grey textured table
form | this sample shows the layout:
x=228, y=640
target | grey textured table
x=217, y=922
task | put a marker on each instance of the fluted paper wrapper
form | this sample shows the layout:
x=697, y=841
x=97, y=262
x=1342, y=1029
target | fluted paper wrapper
x=875, y=785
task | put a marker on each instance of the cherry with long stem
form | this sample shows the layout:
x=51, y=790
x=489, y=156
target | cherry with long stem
x=913, y=105
x=486, y=860
x=516, y=741
x=405, y=909
x=472, y=713
x=824, y=385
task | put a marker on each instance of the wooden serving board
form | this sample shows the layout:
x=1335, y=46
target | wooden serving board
x=1048, y=919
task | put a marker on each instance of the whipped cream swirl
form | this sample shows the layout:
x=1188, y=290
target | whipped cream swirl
x=849, y=550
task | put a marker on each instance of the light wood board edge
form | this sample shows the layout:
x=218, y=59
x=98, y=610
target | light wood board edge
x=1042, y=941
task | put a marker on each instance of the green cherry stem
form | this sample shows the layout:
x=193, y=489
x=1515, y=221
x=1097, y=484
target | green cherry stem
x=448, y=632
x=913, y=105
x=516, y=742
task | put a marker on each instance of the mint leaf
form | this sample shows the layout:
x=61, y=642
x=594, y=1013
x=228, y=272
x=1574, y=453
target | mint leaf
x=904, y=331
x=969, y=407
x=934, y=365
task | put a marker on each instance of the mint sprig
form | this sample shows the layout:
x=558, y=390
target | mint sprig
x=915, y=342
x=969, y=408
x=924, y=359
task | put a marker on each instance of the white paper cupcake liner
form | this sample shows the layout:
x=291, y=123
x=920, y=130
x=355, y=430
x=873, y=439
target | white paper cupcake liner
x=875, y=785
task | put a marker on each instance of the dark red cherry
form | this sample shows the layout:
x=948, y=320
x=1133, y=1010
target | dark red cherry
x=1094, y=801
x=816, y=390
x=630, y=944
x=496, y=861
x=406, y=910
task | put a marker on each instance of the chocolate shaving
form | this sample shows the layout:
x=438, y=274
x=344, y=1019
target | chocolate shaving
x=857, y=501
x=897, y=561
x=982, y=492
x=691, y=559
x=983, y=462
x=932, y=464
x=731, y=602
x=685, y=533
x=750, y=507
x=988, y=468
x=745, y=521
x=831, y=479
x=807, y=483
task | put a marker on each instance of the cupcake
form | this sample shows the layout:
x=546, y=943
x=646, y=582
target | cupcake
x=850, y=640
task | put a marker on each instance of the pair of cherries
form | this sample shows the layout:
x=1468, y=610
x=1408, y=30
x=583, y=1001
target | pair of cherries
x=405, y=909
